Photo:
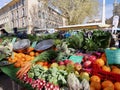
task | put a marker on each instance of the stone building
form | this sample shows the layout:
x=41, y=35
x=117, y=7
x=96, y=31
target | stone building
x=29, y=14
x=116, y=8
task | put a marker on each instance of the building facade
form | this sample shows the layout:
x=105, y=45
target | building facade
x=29, y=14
x=116, y=8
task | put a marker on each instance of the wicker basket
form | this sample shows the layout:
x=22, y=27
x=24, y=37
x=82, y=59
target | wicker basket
x=113, y=56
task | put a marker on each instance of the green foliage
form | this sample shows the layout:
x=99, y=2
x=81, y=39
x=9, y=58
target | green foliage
x=53, y=75
x=90, y=45
x=101, y=38
x=46, y=56
x=76, y=41
x=33, y=38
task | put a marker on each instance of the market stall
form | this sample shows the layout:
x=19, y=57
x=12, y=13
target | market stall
x=50, y=63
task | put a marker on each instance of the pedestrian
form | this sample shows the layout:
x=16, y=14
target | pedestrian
x=4, y=32
x=119, y=40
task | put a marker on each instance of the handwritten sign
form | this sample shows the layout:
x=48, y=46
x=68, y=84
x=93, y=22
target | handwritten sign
x=76, y=59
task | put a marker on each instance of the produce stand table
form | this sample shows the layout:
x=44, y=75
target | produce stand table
x=10, y=71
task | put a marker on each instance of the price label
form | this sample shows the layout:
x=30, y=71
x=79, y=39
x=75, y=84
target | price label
x=76, y=59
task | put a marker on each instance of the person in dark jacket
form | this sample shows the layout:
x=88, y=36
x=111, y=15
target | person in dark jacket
x=4, y=32
x=119, y=39
x=21, y=35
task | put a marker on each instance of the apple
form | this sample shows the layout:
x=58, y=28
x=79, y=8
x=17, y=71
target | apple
x=78, y=66
x=87, y=64
x=68, y=62
x=85, y=58
x=54, y=65
x=61, y=63
x=84, y=75
x=62, y=67
x=92, y=58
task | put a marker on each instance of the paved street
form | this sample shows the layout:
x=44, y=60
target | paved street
x=6, y=83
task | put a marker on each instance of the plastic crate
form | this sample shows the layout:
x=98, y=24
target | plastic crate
x=113, y=56
x=96, y=70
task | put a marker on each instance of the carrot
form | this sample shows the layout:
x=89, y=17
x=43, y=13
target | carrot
x=23, y=70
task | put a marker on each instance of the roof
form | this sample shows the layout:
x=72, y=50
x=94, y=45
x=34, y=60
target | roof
x=84, y=26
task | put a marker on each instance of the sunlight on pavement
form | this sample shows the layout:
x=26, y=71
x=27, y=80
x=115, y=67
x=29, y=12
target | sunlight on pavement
x=1, y=88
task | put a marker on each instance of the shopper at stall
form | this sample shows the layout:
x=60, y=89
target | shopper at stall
x=20, y=35
x=4, y=32
x=119, y=40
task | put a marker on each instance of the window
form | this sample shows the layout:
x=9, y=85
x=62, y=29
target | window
x=17, y=14
x=23, y=14
x=22, y=2
x=16, y=4
x=39, y=14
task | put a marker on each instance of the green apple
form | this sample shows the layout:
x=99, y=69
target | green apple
x=54, y=65
x=84, y=75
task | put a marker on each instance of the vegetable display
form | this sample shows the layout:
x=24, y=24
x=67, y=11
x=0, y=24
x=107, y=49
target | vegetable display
x=54, y=69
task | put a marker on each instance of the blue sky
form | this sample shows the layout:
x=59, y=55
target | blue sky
x=109, y=6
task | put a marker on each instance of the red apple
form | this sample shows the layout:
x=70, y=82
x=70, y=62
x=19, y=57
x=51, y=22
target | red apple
x=87, y=64
x=85, y=58
x=61, y=63
x=92, y=58
x=67, y=61
x=77, y=66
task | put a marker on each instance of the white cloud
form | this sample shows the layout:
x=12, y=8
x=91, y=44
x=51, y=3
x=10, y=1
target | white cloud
x=109, y=10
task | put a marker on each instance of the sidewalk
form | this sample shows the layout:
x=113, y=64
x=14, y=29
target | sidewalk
x=7, y=84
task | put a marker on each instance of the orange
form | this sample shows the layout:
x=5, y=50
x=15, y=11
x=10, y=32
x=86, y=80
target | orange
x=92, y=88
x=104, y=57
x=95, y=78
x=116, y=70
x=107, y=83
x=30, y=49
x=32, y=57
x=10, y=59
x=17, y=64
x=106, y=68
x=32, y=53
x=45, y=63
x=40, y=63
x=100, y=62
x=36, y=54
x=96, y=85
x=117, y=85
x=108, y=88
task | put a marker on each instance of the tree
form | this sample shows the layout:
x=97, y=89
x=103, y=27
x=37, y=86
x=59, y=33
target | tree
x=76, y=11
